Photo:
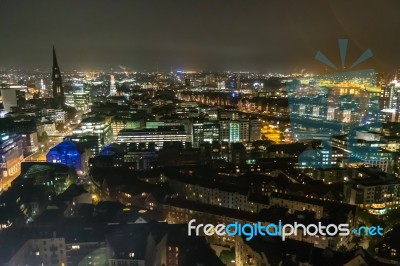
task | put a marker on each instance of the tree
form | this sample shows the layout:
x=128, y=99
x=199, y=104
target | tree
x=227, y=256
x=60, y=127
x=43, y=138
x=342, y=248
x=392, y=218
x=71, y=112
x=367, y=218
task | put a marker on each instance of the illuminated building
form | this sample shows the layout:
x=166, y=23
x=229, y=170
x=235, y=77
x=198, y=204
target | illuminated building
x=49, y=127
x=388, y=115
x=79, y=100
x=117, y=156
x=69, y=99
x=374, y=157
x=57, y=116
x=140, y=160
x=11, y=154
x=388, y=96
x=389, y=248
x=154, y=124
x=368, y=148
x=119, y=123
x=390, y=101
x=70, y=154
x=30, y=142
x=210, y=112
x=240, y=130
x=229, y=131
x=205, y=132
x=391, y=143
x=221, y=85
x=60, y=116
x=214, y=195
x=254, y=130
x=113, y=89
x=95, y=126
x=77, y=252
x=182, y=211
x=187, y=112
x=49, y=251
x=229, y=115
x=54, y=176
x=153, y=136
x=58, y=90
x=374, y=190
x=11, y=95
x=88, y=141
x=209, y=79
x=324, y=157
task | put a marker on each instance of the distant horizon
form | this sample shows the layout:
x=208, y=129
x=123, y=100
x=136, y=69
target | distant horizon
x=122, y=68
x=189, y=71
x=322, y=69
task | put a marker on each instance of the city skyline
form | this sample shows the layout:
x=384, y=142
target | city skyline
x=211, y=133
x=209, y=36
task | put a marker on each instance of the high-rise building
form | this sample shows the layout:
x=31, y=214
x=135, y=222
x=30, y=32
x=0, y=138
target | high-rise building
x=205, y=132
x=58, y=90
x=393, y=89
x=11, y=95
x=389, y=100
x=255, y=130
x=113, y=89
x=386, y=96
x=241, y=130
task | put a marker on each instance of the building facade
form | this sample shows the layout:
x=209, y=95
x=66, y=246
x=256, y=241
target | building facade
x=155, y=137
x=11, y=154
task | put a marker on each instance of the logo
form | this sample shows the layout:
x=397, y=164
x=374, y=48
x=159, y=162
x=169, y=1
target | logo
x=279, y=230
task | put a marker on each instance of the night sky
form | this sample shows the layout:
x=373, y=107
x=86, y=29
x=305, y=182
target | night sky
x=197, y=35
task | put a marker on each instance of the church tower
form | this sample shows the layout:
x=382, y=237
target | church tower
x=58, y=90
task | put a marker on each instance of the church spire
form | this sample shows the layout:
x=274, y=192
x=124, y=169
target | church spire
x=55, y=63
x=58, y=90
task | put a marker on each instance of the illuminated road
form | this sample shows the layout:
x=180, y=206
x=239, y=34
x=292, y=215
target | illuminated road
x=5, y=182
x=271, y=133
x=35, y=157
x=39, y=156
